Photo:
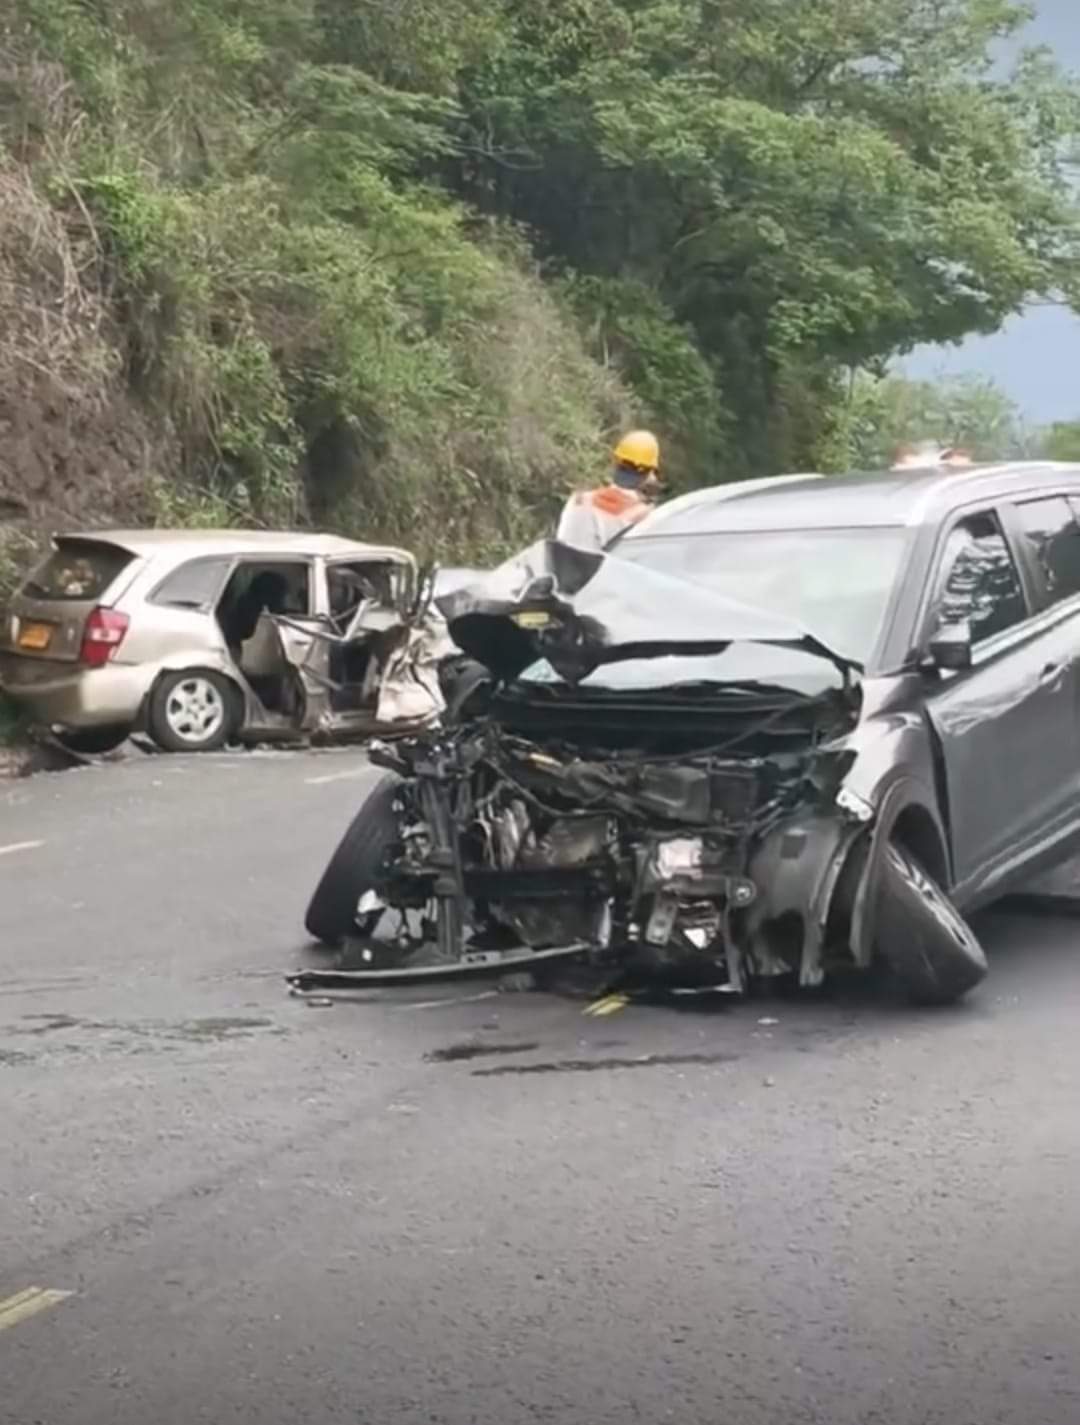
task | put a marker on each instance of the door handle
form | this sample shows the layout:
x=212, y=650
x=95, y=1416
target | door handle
x=1051, y=673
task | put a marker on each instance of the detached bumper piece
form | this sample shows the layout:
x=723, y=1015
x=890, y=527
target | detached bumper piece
x=472, y=965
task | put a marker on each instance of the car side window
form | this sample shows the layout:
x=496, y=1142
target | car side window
x=1053, y=535
x=194, y=585
x=978, y=582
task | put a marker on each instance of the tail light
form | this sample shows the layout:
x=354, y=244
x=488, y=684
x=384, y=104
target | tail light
x=102, y=636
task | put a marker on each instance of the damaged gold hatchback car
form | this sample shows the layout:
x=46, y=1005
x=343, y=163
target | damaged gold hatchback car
x=203, y=637
x=783, y=730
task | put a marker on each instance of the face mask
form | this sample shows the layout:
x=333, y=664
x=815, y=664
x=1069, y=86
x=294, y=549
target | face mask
x=627, y=478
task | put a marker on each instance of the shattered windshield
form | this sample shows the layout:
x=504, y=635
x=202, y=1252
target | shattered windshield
x=835, y=583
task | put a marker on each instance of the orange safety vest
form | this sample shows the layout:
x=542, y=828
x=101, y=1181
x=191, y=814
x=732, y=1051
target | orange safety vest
x=591, y=518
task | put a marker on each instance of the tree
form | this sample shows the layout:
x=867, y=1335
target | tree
x=809, y=184
x=1061, y=441
x=410, y=261
x=971, y=412
x=317, y=326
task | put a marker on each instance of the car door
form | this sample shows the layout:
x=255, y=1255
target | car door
x=267, y=615
x=1046, y=529
x=183, y=603
x=299, y=625
x=1006, y=724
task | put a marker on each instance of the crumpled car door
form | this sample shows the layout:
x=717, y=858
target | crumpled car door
x=285, y=644
x=407, y=640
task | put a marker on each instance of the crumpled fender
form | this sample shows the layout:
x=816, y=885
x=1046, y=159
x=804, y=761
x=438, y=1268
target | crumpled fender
x=800, y=867
x=893, y=771
x=797, y=869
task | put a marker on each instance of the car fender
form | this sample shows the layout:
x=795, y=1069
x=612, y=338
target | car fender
x=800, y=868
x=895, y=774
x=797, y=868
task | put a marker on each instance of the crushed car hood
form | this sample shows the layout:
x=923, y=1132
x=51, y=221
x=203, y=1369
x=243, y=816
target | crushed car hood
x=580, y=610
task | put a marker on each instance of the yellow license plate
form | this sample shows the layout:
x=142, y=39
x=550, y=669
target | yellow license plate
x=532, y=620
x=35, y=636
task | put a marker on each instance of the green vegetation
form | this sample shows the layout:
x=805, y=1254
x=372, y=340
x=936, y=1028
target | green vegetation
x=403, y=267
x=966, y=411
x=1061, y=441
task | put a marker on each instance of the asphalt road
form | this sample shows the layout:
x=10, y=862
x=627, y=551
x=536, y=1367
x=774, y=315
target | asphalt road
x=275, y=1213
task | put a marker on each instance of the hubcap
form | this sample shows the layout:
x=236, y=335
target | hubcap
x=195, y=710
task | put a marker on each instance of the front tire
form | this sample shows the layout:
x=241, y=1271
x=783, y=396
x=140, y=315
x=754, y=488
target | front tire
x=357, y=864
x=928, y=946
x=195, y=710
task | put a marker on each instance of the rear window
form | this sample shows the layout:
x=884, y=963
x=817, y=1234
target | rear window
x=77, y=570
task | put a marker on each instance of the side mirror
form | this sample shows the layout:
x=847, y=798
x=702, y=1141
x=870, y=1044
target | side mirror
x=950, y=648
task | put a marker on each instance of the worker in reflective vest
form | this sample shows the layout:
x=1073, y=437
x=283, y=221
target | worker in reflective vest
x=592, y=518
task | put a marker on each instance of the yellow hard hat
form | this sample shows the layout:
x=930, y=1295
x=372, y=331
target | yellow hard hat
x=639, y=448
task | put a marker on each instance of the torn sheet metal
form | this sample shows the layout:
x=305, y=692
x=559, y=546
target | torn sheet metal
x=581, y=610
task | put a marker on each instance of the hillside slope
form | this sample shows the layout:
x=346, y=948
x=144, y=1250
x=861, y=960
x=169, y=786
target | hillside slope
x=405, y=267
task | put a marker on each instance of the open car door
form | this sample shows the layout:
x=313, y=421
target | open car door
x=268, y=614
x=369, y=607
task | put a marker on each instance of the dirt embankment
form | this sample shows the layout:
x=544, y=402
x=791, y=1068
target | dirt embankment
x=75, y=447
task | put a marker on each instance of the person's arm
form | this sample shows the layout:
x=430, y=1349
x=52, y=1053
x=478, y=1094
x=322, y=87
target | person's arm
x=578, y=525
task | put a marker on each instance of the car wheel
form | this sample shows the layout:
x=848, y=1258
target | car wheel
x=92, y=741
x=192, y=711
x=357, y=864
x=923, y=940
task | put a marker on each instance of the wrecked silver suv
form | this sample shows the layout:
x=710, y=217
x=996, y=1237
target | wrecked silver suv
x=788, y=730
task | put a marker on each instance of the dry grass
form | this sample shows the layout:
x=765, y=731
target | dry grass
x=75, y=448
x=54, y=318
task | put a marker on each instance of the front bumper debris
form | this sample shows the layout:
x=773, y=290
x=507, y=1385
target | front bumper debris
x=475, y=964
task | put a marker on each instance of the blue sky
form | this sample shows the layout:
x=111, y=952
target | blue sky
x=1035, y=357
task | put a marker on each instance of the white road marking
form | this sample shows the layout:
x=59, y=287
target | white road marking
x=20, y=846
x=337, y=777
x=439, y=1003
x=28, y=1303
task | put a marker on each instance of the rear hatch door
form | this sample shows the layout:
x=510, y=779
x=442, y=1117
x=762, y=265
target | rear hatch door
x=49, y=613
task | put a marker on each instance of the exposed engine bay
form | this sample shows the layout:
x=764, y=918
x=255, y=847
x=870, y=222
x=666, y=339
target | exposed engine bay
x=626, y=825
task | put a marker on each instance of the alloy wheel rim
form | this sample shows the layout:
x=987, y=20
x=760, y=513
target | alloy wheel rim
x=195, y=710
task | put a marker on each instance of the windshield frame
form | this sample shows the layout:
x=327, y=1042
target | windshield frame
x=888, y=653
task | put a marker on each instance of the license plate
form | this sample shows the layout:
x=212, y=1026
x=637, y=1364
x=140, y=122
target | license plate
x=532, y=619
x=35, y=636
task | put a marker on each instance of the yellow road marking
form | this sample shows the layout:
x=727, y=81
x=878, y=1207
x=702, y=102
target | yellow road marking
x=610, y=1004
x=28, y=1303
